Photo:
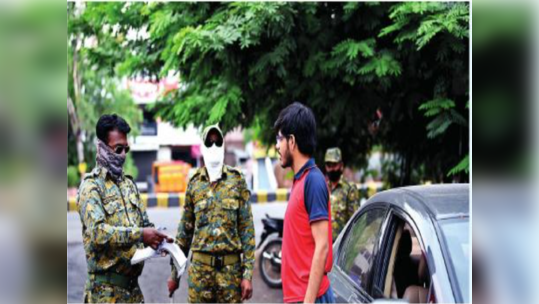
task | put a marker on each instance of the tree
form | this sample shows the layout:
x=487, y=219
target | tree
x=92, y=91
x=241, y=63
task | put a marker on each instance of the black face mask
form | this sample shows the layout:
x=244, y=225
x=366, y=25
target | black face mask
x=334, y=176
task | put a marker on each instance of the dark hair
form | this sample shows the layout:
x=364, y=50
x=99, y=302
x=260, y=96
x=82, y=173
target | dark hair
x=298, y=120
x=107, y=123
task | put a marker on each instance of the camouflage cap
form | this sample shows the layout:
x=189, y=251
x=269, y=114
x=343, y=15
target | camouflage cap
x=333, y=155
x=209, y=128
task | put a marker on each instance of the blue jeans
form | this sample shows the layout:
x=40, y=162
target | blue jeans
x=327, y=297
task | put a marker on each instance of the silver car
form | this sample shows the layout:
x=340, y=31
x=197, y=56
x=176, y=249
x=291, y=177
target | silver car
x=406, y=245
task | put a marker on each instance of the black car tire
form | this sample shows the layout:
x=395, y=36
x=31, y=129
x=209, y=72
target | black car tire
x=272, y=283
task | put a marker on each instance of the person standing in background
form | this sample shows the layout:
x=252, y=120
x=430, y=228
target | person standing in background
x=344, y=195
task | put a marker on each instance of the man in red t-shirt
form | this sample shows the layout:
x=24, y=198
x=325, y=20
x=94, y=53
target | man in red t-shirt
x=307, y=252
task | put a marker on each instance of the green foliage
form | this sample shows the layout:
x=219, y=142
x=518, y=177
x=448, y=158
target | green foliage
x=444, y=113
x=129, y=167
x=73, y=177
x=436, y=106
x=382, y=65
x=442, y=29
x=103, y=95
x=463, y=166
x=434, y=18
x=242, y=62
x=100, y=89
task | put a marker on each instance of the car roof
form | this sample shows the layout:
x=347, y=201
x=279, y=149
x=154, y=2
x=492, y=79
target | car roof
x=441, y=201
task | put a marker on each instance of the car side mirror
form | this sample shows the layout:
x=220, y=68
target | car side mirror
x=389, y=301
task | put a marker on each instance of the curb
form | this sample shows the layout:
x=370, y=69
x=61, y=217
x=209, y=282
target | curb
x=172, y=200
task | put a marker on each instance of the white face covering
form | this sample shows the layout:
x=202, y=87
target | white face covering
x=214, y=158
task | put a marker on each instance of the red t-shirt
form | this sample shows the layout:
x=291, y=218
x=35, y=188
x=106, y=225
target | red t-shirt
x=309, y=202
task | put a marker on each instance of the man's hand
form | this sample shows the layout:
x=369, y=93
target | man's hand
x=152, y=237
x=172, y=286
x=246, y=290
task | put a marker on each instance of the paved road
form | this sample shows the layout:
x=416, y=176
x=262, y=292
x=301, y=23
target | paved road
x=156, y=272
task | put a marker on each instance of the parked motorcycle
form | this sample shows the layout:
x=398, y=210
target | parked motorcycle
x=270, y=257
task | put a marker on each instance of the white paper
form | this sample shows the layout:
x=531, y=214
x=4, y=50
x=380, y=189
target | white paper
x=177, y=256
x=179, y=259
x=143, y=254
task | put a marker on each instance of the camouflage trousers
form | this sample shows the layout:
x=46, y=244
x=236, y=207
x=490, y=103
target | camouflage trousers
x=209, y=285
x=105, y=293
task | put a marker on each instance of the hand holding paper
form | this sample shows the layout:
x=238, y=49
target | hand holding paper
x=179, y=259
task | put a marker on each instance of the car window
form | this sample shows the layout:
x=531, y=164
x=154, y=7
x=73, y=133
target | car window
x=361, y=240
x=407, y=268
x=456, y=236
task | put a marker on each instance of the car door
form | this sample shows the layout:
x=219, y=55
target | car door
x=352, y=274
x=397, y=219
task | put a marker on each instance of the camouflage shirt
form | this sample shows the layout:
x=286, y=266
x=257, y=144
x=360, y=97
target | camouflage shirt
x=344, y=203
x=217, y=218
x=112, y=217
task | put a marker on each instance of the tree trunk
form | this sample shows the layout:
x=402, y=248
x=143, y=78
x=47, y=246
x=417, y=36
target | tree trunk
x=73, y=117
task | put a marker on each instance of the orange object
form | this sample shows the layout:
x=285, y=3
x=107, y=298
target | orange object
x=170, y=176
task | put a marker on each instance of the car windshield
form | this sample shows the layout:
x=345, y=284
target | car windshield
x=457, y=240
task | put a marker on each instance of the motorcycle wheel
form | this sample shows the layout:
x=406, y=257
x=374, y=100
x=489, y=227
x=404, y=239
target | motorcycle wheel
x=269, y=270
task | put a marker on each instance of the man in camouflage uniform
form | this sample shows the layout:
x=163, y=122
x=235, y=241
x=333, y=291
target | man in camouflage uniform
x=344, y=195
x=114, y=220
x=217, y=226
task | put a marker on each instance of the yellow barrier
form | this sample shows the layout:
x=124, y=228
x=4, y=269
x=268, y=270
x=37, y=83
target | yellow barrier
x=262, y=197
x=144, y=199
x=162, y=200
x=182, y=199
x=282, y=195
x=168, y=200
x=72, y=205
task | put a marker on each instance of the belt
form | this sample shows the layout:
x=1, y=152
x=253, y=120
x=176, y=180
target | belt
x=216, y=260
x=115, y=279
